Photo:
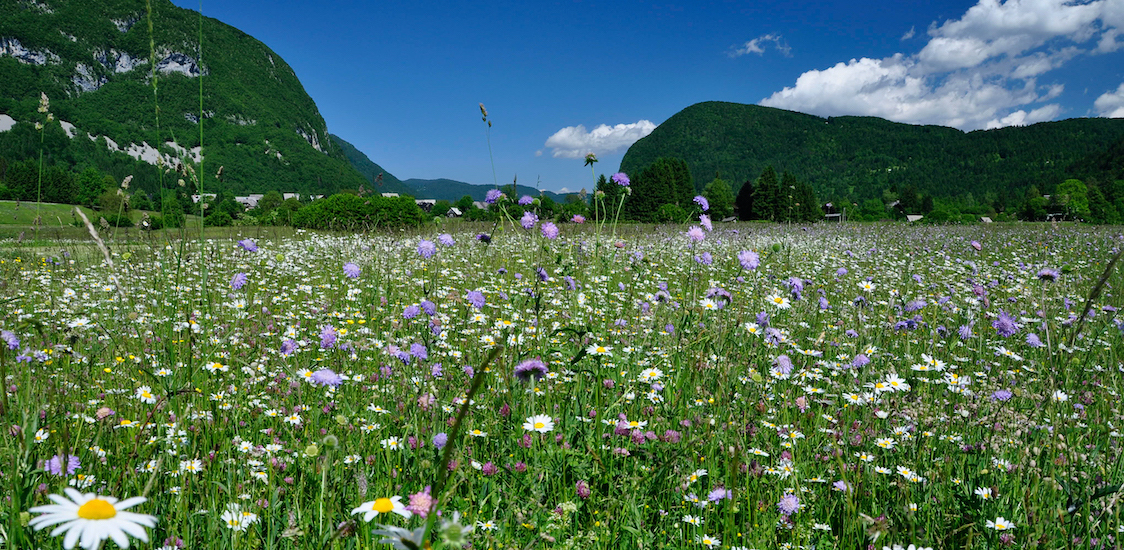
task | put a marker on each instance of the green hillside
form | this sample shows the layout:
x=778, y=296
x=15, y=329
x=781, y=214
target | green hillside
x=93, y=59
x=855, y=158
x=451, y=190
x=371, y=171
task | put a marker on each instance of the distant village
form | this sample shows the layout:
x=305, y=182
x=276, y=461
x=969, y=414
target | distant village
x=251, y=201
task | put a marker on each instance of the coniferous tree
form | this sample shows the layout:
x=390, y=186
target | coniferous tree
x=721, y=199
x=765, y=195
x=744, y=201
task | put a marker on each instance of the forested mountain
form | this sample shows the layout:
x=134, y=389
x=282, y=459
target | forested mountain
x=855, y=158
x=94, y=61
x=378, y=179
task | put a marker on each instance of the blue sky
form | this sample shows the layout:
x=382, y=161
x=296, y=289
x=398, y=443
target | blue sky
x=402, y=80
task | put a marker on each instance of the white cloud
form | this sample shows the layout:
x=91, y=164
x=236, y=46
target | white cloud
x=574, y=142
x=909, y=34
x=1111, y=104
x=757, y=46
x=978, y=71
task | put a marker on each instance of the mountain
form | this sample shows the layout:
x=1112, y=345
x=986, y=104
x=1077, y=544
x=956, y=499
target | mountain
x=95, y=60
x=854, y=158
x=451, y=190
x=439, y=189
x=370, y=170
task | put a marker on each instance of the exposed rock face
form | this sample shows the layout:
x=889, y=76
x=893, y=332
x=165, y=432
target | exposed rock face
x=175, y=62
x=12, y=47
x=311, y=138
x=86, y=80
x=125, y=24
x=118, y=62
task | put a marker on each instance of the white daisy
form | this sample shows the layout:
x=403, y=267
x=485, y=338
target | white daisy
x=382, y=506
x=89, y=519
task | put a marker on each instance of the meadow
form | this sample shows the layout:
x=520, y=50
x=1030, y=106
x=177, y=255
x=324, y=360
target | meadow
x=540, y=386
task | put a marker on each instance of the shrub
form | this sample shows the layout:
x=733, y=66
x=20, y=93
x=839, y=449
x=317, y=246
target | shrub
x=218, y=219
x=345, y=211
x=671, y=213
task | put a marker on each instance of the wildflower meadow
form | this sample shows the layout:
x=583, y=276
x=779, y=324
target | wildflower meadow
x=531, y=385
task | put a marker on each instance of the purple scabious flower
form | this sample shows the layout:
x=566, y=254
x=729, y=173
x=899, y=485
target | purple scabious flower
x=54, y=466
x=493, y=195
x=965, y=332
x=860, y=361
x=702, y=202
x=419, y=351
x=446, y=239
x=410, y=312
x=1033, y=341
x=749, y=259
x=719, y=493
x=428, y=307
x=783, y=364
x=696, y=233
x=1002, y=395
x=426, y=249
x=440, y=440
x=421, y=503
x=531, y=369
x=526, y=200
x=1005, y=325
x=705, y=258
x=621, y=179
x=528, y=220
x=549, y=230
x=841, y=272
x=914, y=305
x=762, y=319
x=851, y=333
x=1048, y=274
x=823, y=304
x=789, y=504
x=484, y=238
x=238, y=281
x=704, y=220
x=542, y=274
x=475, y=298
x=11, y=339
x=326, y=377
x=288, y=347
x=578, y=218
x=327, y=337
x=351, y=270
x=248, y=245
x=437, y=371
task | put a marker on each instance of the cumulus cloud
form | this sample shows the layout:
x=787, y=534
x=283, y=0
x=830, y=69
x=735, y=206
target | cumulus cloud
x=758, y=45
x=574, y=142
x=978, y=71
x=1111, y=104
x=909, y=34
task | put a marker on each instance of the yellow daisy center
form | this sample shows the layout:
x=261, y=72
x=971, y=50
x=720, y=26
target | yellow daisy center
x=383, y=505
x=601, y=349
x=97, y=509
x=539, y=425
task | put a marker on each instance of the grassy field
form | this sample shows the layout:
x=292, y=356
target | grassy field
x=754, y=386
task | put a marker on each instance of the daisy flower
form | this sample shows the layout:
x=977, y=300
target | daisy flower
x=88, y=519
x=382, y=506
x=598, y=349
x=780, y=301
x=1000, y=524
x=539, y=423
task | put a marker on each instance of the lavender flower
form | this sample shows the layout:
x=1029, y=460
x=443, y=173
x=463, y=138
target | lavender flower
x=419, y=351
x=238, y=281
x=11, y=339
x=718, y=494
x=702, y=202
x=55, y=465
x=327, y=337
x=475, y=298
x=351, y=270
x=493, y=196
x=288, y=347
x=526, y=200
x=446, y=239
x=696, y=233
x=1002, y=395
x=783, y=364
x=410, y=312
x=549, y=230
x=860, y=361
x=428, y=307
x=789, y=504
x=1033, y=341
x=749, y=259
x=1005, y=325
x=531, y=369
x=440, y=440
x=705, y=258
x=248, y=245
x=621, y=179
x=326, y=377
x=528, y=220
x=426, y=249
